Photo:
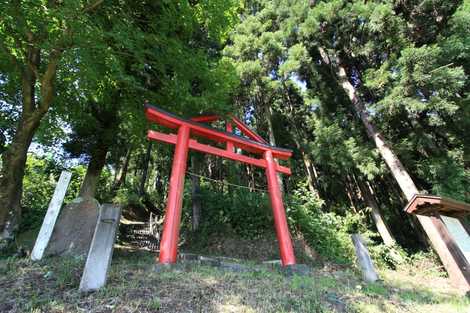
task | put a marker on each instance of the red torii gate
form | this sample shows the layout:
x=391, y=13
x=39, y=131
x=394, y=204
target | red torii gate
x=182, y=141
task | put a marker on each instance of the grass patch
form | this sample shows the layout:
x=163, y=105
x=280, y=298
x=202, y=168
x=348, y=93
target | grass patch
x=133, y=286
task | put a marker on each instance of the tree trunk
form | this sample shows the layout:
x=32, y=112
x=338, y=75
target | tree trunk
x=93, y=172
x=11, y=179
x=108, y=122
x=402, y=177
x=14, y=158
x=411, y=220
x=250, y=177
x=122, y=173
x=145, y=169
x=311, y=171
x=272, y=141
x=396, y=167
x=311, y=179
x=376, y=215
x=158, y=180
x=352, y=192
x=195, y=193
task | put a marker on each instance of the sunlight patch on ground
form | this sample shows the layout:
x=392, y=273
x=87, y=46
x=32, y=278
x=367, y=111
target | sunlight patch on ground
x=134, y=286
x=233, y=304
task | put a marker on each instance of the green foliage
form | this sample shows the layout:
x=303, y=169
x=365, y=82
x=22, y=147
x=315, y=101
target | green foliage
x=66, y=272
x=272, y=63
x=128, y=197
x=155, y=304
x=246, y=214
x=449, y=178
x=39, y=184
x=326, y=232
x=344, y=150
x=217, y=17
x=330, y=234
x=42, y=174
x=387, y=256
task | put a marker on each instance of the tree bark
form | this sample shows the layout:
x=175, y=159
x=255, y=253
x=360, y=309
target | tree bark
x=93, y=172
x=11, y=179
x=379, y=221
x=250, y=177
x=14, y=157
x=401, y=176
x=393, y=162
x=122, y=173
x=145, y=168
x=272, y=142
x=107, y=121
x=399, y=172
x=352, y=192
x=158, y=180
x=195, y=193
x=311, y=179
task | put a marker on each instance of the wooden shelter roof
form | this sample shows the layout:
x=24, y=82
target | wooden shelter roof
x=429, y=205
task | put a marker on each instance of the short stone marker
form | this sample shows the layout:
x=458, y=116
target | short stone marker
x=53, y=210
x=101, y=249
x=363, y=257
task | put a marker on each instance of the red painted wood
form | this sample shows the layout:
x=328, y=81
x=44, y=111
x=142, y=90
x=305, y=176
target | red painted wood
x=195, y=145
x=241, y=126
x=247, y=131
x=205, y=118
x=171, y=121
x=171, y=226
x=182, y=142
x=280, y=222
x=229, y=129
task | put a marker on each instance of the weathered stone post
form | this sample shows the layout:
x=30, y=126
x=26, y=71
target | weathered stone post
x=53, y=210
x=101, y=248
x=363, y=258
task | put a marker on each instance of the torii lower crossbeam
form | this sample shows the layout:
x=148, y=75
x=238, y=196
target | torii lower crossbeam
x=183, y=142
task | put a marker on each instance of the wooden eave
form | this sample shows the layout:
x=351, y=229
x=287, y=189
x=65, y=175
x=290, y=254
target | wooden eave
x=431, y=205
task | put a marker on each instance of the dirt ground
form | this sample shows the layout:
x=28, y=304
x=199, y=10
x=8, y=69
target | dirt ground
x=134, y=286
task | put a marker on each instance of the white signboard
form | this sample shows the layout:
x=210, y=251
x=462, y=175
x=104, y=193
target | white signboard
x=460, y=235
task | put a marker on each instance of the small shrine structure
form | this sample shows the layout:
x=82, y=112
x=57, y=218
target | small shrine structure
x=188, y=131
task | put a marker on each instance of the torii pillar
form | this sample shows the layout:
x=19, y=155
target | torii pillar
x=183, y=142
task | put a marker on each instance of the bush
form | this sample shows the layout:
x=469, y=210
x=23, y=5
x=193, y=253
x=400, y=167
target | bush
x=127, y=197
x=40, y=179
x=325, y=232
x=388, y=256
x=330, y=233
x=38, y=186
x=246, y=214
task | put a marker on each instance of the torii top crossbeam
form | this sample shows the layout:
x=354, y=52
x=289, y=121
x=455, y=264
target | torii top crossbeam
x=254, y=144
